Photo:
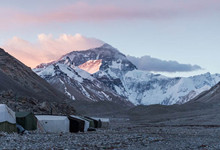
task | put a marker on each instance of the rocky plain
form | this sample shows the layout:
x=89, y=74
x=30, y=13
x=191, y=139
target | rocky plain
x=177, y=127
x=120, y=134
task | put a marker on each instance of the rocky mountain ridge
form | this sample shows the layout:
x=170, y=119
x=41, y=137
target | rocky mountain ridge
x=22, y=89
x=78, y=84
x=114, y=71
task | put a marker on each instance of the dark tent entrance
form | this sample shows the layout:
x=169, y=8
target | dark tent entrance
x=97, y=123
x=76, y=124
x=27, y=120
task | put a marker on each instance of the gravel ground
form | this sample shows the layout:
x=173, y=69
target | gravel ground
x=120, y=136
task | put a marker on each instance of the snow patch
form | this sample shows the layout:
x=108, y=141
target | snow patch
x=116, y=64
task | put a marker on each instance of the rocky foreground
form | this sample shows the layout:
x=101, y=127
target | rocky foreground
x=120, y=135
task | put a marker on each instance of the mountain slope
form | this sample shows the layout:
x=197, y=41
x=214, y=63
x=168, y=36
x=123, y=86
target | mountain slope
x=212, y=95
x=117, y=73
x=113, y=65
x=20, y=86
x=78, y=84
x=91, y=66
x=148, y=88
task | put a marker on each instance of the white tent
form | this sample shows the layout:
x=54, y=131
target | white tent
x=86, y=122
x=7, y=114
x=102, y=119
x=105, y=121
x=7, y=119
x=53, y=124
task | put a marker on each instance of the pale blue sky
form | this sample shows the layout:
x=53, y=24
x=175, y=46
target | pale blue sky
x=187, y=32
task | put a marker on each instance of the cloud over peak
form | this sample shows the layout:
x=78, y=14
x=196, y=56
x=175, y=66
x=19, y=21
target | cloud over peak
x=153, y=64
x=47, y=48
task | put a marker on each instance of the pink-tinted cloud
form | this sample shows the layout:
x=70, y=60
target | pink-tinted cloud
x=47, y=48
x=104, y=11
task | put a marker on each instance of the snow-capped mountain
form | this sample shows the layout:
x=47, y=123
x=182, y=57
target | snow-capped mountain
x=77, y=83
x=111, y=69
x=212, y=95
x=147, y=88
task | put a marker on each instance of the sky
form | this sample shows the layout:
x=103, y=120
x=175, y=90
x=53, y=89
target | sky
x=183, y=33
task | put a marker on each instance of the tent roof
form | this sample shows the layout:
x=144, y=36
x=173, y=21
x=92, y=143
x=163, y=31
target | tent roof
x=91, y=118
x=87, y=119
x=77, y=117
x=7, y=114
x=102, y=119
x=50, y=117
x=22, y=114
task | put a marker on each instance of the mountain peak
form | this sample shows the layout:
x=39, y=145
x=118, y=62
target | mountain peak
x=109, y=56
x=107, y=46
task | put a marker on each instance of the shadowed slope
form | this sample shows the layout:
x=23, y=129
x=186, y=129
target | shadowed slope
x=23, y=82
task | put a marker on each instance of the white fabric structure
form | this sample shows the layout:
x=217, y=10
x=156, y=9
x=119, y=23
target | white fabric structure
x=53, y=124
x=6, y=114
x=102, y=119
x=105, y=121
x=86, y=122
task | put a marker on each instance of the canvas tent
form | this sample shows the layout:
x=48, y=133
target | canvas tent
x=53, y=124
x=91, y=122
x=27, y=120
x=78, y=124
x=97, y=122
x=7, y=119
x=105, y=121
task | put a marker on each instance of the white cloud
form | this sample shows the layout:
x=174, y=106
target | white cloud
x=47, y=48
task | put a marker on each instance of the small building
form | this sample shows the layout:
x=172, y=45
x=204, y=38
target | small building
x=27, y=120
x=53, y=124
x=97, y=122
x=78, y=124
x=7, y=119
x=105, y=121
x=91, y=122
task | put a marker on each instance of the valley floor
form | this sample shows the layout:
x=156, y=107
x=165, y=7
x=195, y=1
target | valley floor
x=121, y=135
